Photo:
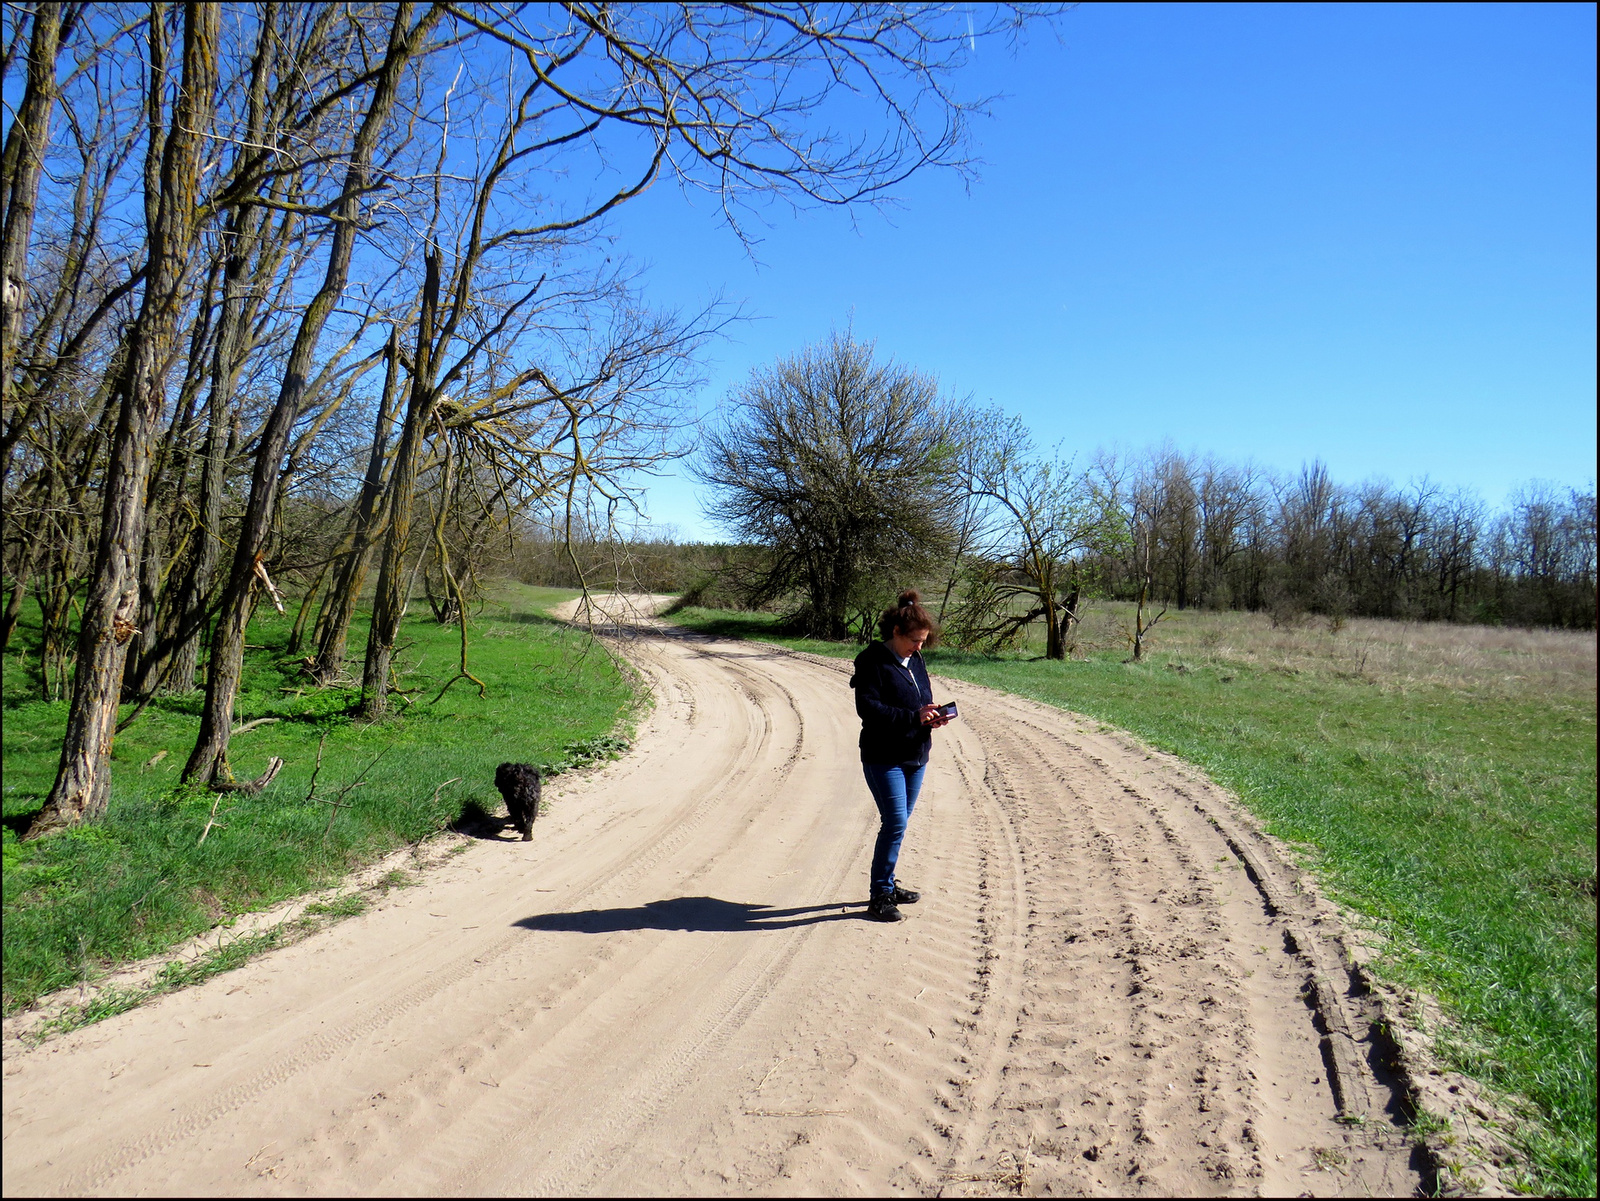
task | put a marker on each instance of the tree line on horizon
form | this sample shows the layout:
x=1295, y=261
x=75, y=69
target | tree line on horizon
x=842, y=478
x=1286, y=545
x=1231, y=536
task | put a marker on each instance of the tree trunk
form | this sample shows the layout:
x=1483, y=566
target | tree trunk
x=83, y=779
x=388, y=607
x=161, y=604
x=1054, y=647
x=145, y=653
x=209, y=760
x=195, y=590
x=1138, y=622
x=298, y=632
x=339, y=606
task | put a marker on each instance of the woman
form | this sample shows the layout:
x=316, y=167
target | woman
x=895, y=703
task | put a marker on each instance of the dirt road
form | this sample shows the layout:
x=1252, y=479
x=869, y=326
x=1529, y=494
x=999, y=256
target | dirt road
x=1111, y=986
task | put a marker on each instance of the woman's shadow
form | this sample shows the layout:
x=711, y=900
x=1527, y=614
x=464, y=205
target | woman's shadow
x=691, y=913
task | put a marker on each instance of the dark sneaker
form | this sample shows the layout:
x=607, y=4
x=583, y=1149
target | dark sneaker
x=882, y=909
x=904, y=896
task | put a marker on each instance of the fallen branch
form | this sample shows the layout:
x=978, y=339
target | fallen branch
x=250, y=725
x=251, y=787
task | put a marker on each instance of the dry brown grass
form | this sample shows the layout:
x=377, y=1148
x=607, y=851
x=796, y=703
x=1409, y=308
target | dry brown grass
x=1391, y=654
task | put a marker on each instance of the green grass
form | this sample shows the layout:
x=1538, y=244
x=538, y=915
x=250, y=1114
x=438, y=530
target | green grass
x=1442, y=785
x=137, y=883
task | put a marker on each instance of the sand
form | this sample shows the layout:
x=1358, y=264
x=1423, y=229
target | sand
x=1112, y=985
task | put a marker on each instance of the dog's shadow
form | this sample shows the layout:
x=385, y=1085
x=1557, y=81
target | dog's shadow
x=692, y=913
x=477, y=822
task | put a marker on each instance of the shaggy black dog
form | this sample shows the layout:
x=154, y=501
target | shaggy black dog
x=519, y=784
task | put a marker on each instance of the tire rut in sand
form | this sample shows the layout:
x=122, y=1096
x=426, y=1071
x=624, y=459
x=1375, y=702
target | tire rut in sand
x=489, y=1153
x=1124, y=945
x=198, y=1116
x=1165, y=1014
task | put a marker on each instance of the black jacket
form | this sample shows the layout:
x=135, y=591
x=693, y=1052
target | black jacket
x=887, y=699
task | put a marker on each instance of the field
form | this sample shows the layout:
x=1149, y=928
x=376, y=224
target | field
x=1439, y=780
x=141, y=881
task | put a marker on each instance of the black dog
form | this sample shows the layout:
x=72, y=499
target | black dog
x=519, y=783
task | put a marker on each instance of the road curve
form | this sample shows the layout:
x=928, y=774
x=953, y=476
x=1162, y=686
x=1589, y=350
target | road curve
x=1113, y=985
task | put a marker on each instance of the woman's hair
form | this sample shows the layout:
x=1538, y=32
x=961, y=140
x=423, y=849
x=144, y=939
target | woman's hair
x=905, y=616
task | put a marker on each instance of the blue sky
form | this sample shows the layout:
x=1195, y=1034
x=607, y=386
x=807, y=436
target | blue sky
x=1364, y=234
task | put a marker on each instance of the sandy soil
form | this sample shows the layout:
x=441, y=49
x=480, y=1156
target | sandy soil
x=1112, y=985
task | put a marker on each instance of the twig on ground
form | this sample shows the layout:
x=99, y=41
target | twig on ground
x=442, y=787
x=1014, y=1177
x=250, y=725
x=338, y=801
x=335, y=805
x=461, y=675
x=259, y=1153
x=772, y=1069
x=312, y=791
x=212, y=819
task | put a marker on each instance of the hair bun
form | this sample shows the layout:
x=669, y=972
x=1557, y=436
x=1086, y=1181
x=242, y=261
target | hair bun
x=905, y=616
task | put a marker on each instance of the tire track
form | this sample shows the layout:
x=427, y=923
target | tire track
x=1215, y=974
x=119, y=1158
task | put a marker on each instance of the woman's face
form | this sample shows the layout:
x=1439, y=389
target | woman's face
x=904, y=644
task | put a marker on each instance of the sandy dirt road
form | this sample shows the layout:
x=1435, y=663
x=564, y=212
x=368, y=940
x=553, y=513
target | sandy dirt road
x=1111, y=986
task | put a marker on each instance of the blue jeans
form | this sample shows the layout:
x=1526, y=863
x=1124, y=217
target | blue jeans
x=894, y=788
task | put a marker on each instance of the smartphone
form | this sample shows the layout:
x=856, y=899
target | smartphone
x=947, y=710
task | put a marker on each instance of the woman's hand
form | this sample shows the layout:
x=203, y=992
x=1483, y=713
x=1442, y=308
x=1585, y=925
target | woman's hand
x=930, y=716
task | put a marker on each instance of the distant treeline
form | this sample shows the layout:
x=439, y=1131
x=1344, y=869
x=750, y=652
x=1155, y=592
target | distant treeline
x=651, y=563
x=1231, y=537
x=1234, y=537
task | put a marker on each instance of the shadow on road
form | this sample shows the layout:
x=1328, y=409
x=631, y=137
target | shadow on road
x=477, y=822
x=691, y=913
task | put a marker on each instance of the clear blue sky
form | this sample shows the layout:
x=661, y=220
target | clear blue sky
x=1359, y=233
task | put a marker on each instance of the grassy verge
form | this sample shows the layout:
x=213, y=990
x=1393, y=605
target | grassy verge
x=140, y=882
x=1442, y=784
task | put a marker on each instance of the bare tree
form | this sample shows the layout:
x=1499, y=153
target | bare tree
x=208, y=761
x=172, y=172
x=845, y=469
x=1044, y=517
